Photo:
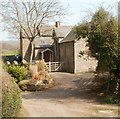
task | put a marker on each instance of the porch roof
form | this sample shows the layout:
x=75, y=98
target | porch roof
x=44, y=49
x=47, y=49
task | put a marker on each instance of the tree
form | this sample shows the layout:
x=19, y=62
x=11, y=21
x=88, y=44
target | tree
x=102, y=33
x=29, y=17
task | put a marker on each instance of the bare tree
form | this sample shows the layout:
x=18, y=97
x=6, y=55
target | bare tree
x=29, y=16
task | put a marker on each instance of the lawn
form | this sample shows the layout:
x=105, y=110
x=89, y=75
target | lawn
x=9, y=53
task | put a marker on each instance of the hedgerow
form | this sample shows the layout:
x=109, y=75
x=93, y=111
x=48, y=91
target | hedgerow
x=11, y=97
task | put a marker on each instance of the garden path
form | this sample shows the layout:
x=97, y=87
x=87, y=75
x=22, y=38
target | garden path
x=69, y=98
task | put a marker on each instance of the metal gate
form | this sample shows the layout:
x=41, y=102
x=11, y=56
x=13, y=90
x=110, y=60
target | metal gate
x=54, y=66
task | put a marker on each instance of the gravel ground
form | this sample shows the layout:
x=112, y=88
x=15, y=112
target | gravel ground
x=69, y=98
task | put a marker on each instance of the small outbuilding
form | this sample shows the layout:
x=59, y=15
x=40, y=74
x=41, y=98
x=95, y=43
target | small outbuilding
x=75, y=54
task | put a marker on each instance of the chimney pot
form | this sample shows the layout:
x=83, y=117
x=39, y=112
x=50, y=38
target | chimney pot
x=57, y=24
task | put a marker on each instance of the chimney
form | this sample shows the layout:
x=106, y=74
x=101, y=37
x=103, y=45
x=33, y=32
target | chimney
x=57, y=24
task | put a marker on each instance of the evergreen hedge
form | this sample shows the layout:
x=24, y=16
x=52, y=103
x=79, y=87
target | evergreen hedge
x=11, y=96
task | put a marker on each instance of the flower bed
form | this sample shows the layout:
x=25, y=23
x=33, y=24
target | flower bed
x=39, y=82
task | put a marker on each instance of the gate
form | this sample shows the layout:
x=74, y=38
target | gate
x=54, y=66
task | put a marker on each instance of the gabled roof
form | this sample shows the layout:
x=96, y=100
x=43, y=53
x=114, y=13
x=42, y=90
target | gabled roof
x=47, y=49
x=60, y=31
x=70, y=37
x=47, y=30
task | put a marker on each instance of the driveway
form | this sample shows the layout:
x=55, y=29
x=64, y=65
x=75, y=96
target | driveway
x=69, y=98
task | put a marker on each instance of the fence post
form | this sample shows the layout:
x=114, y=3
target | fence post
x=49, y=65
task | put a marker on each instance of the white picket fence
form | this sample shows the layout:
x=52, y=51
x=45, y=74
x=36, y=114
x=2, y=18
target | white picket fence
x=54, y=66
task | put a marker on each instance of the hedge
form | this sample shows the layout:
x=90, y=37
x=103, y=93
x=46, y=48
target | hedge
x=18, y=72
x=11, y=96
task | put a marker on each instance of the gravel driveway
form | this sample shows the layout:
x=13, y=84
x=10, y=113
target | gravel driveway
x=69, y=98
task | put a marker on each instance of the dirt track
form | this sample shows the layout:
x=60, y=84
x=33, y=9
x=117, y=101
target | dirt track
x=70, y=98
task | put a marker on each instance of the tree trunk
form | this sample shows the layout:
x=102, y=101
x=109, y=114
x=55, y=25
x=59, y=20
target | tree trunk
x=109, y=79
x=32, y=51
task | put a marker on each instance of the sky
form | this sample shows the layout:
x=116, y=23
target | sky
x=77, y=11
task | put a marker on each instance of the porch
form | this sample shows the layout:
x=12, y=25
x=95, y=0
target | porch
x=44, y=54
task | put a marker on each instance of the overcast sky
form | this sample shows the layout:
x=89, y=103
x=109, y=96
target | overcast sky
x=77, y=10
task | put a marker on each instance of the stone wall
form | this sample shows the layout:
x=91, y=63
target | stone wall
x=67, y=56
x=83, y=63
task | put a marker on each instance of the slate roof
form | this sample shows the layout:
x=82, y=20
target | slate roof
x=43, y=41
x=60, y=31
x=70, y=37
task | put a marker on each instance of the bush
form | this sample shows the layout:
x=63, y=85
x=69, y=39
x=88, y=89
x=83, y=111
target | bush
x=18, y=72
x=41, y=65
x=113, y=99
x=40, y=75
x=11, y=97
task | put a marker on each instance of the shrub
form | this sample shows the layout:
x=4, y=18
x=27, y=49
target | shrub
x=18, y=72
x=112, y=99
x=40, y=75
x=41, y=65
x=43, y=72
x=11, y=97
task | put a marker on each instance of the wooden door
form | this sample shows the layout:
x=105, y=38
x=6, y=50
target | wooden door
x=47, y=56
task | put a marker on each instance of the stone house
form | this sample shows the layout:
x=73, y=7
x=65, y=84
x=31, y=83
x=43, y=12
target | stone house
x=76, y=55
x=47, y=45
x=59, y=44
